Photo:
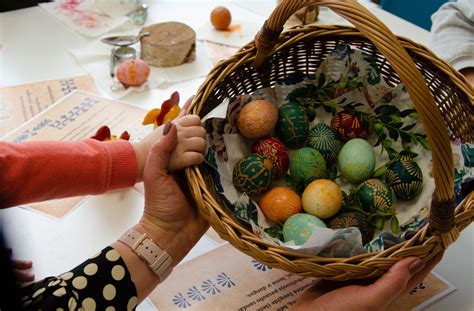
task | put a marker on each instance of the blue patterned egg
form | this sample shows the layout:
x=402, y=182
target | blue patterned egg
x=324, y=139
x=375, y=196
x=292, y=126
x=299, y=227
x=253, y=174
x=404, y=176
x=306, y=165
x=356, y=160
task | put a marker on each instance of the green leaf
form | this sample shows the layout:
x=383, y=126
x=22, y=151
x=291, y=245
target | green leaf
x=380, y=171
x=406, y=138
x=275, y=232
x=408, y=127
x=424, y=142
x=386, y=110
x=378, y=222
x=394, y=226
x=414, y=115
x=407, y=112
x=393, y=133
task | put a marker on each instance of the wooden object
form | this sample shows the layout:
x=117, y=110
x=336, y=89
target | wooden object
x=443, y=98
x=169, y=44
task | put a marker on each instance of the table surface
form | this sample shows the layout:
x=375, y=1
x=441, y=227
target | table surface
x=35, y=48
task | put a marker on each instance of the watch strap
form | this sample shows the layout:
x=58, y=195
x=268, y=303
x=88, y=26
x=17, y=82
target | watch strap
x=158, y=260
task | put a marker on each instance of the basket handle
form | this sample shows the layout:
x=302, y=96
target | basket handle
x=442, y=206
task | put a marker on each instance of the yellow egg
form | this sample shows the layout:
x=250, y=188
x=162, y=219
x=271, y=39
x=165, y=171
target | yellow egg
x=322, y=198
x=257, y=119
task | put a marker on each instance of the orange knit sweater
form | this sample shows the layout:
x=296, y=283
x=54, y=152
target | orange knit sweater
x=38, y=171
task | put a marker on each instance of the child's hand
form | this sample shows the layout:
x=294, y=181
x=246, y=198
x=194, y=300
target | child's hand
x=189, y=149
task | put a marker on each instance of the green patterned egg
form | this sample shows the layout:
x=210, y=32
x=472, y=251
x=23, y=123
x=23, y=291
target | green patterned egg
x=404, y=176
x=356, y=160
x=299, y=227
x=306, y=165
x=292, y=126
x=324, y=139
x=374, y=195
x=253, y=174
x=354, y=219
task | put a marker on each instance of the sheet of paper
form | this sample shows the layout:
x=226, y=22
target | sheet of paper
x=20, y=103
x=218, y=52
x=76, y=117
x=227, y=279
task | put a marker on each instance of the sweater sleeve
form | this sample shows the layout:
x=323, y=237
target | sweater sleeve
x=453, y=33
x=38, y=171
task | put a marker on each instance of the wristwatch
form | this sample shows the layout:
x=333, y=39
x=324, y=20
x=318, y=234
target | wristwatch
x=158, y=260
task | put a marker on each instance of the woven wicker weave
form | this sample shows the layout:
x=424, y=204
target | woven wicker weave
x=442, y=97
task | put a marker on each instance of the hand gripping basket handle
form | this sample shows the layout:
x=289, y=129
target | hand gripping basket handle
x=442, y=206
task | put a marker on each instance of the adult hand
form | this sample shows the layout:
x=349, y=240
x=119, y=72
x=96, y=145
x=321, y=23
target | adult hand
x=189, y=149
x=168, y=217
x=402, y=277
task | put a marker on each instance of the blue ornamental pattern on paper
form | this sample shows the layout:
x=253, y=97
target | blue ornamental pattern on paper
x=260, y=266
x=180, y=301
x=225, y=281
x=195, y=294
x=209, y=287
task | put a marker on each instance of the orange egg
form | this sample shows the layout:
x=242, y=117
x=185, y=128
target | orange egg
x=257, y=119
x=322, y=198
x=279, y=203
x=221, y=18
x=133, y=72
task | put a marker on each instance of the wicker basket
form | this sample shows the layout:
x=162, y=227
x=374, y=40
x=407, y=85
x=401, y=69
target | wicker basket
x=442, y=97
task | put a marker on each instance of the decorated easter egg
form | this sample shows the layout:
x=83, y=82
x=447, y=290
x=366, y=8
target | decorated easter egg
x=354, y=219
x=299, y=227
x=322, y=198
x=279, y=203
x=292, y=126
x=348, y=126
x=221, y=18
x=275, y=151
x=356, y=160
x=306, y=165
x=133, y=72
x=375, y=196
x=324, y=139
x=257, y=119
x=404, y=176
x=253, y=174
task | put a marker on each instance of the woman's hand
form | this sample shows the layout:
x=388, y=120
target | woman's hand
x=402, y=277
x=168, y=217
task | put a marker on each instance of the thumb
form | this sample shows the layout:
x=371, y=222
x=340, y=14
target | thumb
x=159, y=156
x=392, y=284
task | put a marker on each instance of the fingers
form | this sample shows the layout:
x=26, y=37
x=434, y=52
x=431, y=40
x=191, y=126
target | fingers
x=393, y=283
x=21, y=264
x=191, y=158
x=159, y=155
x=188, y=120
x=184, y=109
x=197, y=144
x=24, y=276
x=421, y=275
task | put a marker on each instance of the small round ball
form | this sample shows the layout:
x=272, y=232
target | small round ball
x=322, y=198
x=133, y=72
x=279, y=203
x=356, y=160
x=348, y=126
x=375, y=196
x=306, y=165
x=253, y=174
x=257, y=119
x=299, y=227
x=292, y=127
x=404, y=176
x=275, y=151
x=221, y=18
x=324, y=139
x=354, y=219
